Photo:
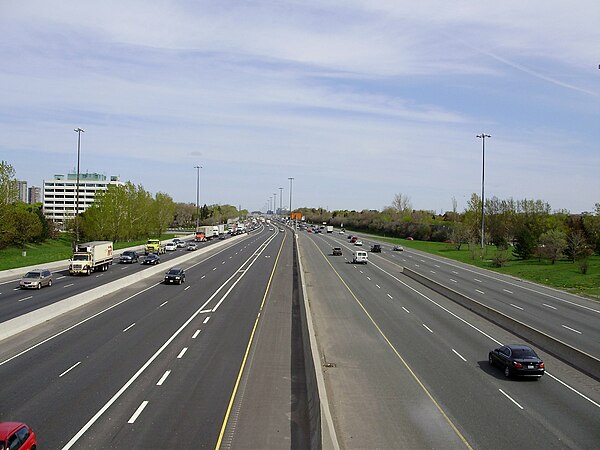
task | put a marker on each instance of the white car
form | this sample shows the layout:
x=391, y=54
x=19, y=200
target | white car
x=171, y=247
x=359, y=243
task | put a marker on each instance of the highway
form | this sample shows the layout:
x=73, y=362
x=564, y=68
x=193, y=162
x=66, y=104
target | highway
x=407, y=368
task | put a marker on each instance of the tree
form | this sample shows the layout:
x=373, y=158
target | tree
x=28, y=225
x=525, y=243
x=402, y=205
x=163, y=211
x=553, y=244
x=459, y=235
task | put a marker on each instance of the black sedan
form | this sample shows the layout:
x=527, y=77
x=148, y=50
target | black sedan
x=175, y=275
x=517, y=359
x=152, y=258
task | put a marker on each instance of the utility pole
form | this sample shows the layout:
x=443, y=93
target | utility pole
x=78, y=131
x=482, y=136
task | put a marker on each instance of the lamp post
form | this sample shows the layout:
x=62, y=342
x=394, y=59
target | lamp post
x=197, y=196
x=482, y=136
x=280, y=200
x=275, y=203
x=78, y=131
x=291, y=181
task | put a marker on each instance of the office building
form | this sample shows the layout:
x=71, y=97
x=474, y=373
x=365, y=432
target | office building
x=34, y=195
x=22, y=189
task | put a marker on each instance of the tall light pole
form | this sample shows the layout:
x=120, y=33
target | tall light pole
x=197, y=196
x=78, y=131
x=275, y=203
x=280, y=200
x=482, y=136
x=291, y=180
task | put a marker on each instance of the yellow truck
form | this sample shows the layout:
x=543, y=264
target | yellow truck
x=154, y=246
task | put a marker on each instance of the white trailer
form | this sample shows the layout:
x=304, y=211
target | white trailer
x=90, y=257
x=330, y=228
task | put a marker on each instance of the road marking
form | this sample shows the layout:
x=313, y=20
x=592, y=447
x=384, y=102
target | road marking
x=455, y=272
x=69, y=369
x=481, y=292
x=548, y=306
x=390, y=296
x=422, y=260
x=506, y=290
x=479, y=281
x=163, y=303
x=137, y=412
x=182, y=352
x=202, y=277
x=223, y=262
x=206, y=319
x=454, y=281
x=361, y=271
x=406, y=310
x=130, y=326
x=26, y=298
x=508, y=397
x=186, y=288
x=515, y=306
x=427, y=328
x=214, y=268
x=195, y=335
x=437, y=266
x=369, y=278
x=61, y=277
x=69, y=285
x=230, y=257
x=378, y=287
x=459, y=355
x=572, y=329
x=98, y=276
x=432, y=271
x=163, y=378
x=416, y=265
x=574, y=390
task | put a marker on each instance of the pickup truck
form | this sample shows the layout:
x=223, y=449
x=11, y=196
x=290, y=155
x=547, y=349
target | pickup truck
x=154, y=246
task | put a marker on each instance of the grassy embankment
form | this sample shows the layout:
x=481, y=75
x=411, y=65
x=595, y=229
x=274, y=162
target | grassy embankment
x=563, y=274
x=51, y=250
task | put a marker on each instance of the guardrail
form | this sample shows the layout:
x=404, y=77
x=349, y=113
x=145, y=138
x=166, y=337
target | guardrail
x=569, y=354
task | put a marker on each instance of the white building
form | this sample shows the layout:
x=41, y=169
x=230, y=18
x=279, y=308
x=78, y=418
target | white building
x=22, y=189
x=60, y=193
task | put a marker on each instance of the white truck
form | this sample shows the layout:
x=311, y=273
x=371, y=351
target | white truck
x=330, y=228
x=90, y=257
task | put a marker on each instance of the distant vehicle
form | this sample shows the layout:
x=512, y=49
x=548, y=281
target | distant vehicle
x=16, y=435
x=129, y=256
x=398, y=248
x=337, y=251
x=349, y=236
x=358, y=242
x=410, y=238
x=375, y=248
x=171, y=246
x=152, y=259
x=181, y=243
x=222, y=237
x=517, y=359
x=91, y=257
x=330, y=228
x=154, y=246
x=353, y=239
x=192, y=246
x=36, y=279
x=281, y=230
x=360, y=257
x=175, y=275
x=270, y=229
x=341, y=232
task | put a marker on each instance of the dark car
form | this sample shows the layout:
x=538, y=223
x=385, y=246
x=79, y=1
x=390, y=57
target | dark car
x=517, y=359
x=375, y=248
x=152, y=258
x=337, y=251
x=36, y=279
x=129, y=257
x=16, y=435
x=175, y=275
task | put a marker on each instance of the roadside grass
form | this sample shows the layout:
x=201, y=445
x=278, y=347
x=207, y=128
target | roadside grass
x=51, y=250
x=563, y=274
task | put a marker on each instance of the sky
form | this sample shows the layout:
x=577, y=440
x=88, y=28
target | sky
x=357, y=100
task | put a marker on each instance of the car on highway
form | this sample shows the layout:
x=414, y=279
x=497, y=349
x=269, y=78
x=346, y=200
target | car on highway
x=180, y=243
x=360, y=257
x=517, y=360
x=193, y=246
x=152, y=259
x=16, y=435
x=353, y=239
x=36, y=279
x=358, y=242
x=129, y=257
x=171, y=246
x=341, y=232
x=337, y=251
x=398, y=248
x=376, y=248
x=176, y=275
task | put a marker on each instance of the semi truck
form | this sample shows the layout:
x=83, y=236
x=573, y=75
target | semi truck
x=90, y=257
x=154, y=246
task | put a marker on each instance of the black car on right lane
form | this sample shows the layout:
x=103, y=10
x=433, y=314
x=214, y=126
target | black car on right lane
x=517, y=359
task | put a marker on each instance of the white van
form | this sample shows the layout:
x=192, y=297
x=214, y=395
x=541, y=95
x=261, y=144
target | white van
x=359, y=257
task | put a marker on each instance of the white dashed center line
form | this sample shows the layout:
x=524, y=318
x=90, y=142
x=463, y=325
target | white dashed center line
x=26, y=298
x=518, y=307
x=506, y=290
x=196, y=334
x=459, y=355
x=130, y=326
x=137, y=412
x=69, y=369
x=548, y=306
x=163, y=378
x=206, y=320
x=390, y=296
x=406, y=310
x=508, y=397
x=572, y=329
x=182, y=352
x=481, y=292
x=479, y=281
x=68, y=285
x=378, y=287
x=454, y=281
x=427, y=328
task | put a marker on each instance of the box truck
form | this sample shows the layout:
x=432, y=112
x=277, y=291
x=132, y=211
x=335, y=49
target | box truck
x=90, y=257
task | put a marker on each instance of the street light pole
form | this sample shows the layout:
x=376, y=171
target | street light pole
x=291, y=181
x=275, y=203
x=482, y=136
x=197, y=196
x=280, y=199
x=78, y=131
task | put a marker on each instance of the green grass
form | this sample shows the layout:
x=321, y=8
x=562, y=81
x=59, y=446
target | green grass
x=563, y=274
x=51, y=250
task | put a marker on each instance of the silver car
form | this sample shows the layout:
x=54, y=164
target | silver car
x=36, y=279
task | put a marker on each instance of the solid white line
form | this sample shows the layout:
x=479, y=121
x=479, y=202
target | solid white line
x=378, y=287
x=68, y=285
x=454, y=281
x=186, y=288
x=597, y=405
x=508, y=397
x=406, y=310
x=548, y=306
x=506, y=290
x=163, y=378
x=195, y=335
x=69, y=369
x=130, y=326
x=572, y=329
x=182, y=352
x=427, y=328
x=137, y=412
x=163, y=303
x=515, y=306
x=390, y=296
x=459, y=355
x=26, y=298
x=206, y=320
x=481, y=292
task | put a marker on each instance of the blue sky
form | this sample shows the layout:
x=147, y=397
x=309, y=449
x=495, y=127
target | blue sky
x=357, y=100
